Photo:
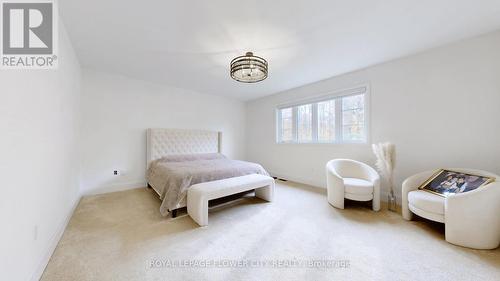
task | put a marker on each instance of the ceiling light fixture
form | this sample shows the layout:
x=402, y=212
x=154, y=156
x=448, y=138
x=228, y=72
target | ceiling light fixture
x=248, y=68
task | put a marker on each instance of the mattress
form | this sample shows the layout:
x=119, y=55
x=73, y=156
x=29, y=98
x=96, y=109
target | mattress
x=171, y=176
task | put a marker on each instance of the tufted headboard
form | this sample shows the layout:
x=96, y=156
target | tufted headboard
x=163, y=142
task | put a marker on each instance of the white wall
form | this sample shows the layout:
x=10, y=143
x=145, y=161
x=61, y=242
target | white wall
x=39, y=112
x=441, y=108
x=117, y=111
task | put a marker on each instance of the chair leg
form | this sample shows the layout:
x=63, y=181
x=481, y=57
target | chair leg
x=405, y=210
x=376, y=198
x=335, y=195
x=376, y=204
x=337, y=202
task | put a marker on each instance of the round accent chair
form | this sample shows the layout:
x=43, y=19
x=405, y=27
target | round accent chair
x=472, y=219
x=353, y=180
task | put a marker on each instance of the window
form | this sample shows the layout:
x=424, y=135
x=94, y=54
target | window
x=353, y=118
x=326, y=121
x=337, y=118
x=304, y=123
x=287, y=124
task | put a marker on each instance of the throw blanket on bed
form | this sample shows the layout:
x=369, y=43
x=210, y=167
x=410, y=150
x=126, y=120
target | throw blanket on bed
x=173, y=175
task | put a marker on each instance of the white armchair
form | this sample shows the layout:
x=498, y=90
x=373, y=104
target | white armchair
x=471, y=219
x=352, y=180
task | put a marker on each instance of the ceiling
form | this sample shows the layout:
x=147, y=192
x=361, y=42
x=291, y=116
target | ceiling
x=189, y=43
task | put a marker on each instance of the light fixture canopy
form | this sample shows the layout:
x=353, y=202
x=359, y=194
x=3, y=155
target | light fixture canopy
x=249, y=68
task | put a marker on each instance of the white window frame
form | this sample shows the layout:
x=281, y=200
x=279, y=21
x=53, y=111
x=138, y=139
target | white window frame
x=334, y=95
x=279, y=124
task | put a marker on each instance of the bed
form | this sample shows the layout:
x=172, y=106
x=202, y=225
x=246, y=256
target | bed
x=177, y=159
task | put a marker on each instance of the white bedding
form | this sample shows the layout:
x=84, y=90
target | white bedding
x=171, y=176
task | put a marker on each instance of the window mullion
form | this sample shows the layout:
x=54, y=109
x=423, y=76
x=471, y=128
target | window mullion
x=294, y=125
x=338, y=120
x=314, y=121
x=279, y=126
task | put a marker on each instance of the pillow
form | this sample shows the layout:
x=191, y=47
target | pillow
x=191, y=157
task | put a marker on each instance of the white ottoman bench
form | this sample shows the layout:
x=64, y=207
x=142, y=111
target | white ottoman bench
x=199, y=194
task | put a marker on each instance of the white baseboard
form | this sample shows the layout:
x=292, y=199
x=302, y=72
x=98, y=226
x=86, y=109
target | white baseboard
x=115, y=187
x=383, y=193
x=37, y=274
x=298, y=180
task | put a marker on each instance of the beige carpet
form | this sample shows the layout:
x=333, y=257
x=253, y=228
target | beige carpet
x=121, y=236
